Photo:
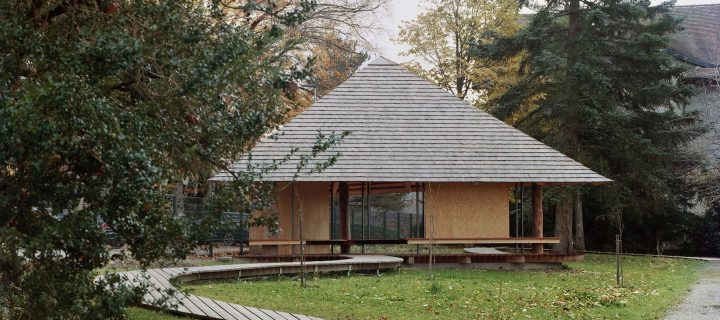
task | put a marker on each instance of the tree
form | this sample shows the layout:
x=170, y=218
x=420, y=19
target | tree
x=335, y=60
x=707, y=103
x=704, y=238
x=104, y=105
x=347, y=19
x=441, y=38
x=333, y=33
x=610, y=99
x=355, y=20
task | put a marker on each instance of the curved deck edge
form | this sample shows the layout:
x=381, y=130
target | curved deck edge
x=161, y=294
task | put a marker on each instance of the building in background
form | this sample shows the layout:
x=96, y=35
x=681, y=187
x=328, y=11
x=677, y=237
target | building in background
x=698, y=47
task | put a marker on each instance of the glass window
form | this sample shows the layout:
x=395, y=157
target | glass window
x=382, y=211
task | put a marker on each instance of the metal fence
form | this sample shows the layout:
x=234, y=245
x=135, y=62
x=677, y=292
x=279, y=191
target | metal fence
x=232, y=228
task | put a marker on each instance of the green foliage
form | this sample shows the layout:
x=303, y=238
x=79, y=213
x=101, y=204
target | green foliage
x=435, y=288
x=336, y=59
x=585, y=291
x=442, y=37
x=610, y=99
x=710, y=238
x=700, y=234
x=392, y=202
x=102, y=106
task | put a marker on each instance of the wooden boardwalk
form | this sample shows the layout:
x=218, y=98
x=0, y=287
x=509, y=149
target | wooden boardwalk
x=161, y=293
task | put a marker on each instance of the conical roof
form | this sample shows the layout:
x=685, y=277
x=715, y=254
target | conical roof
x=406, y=129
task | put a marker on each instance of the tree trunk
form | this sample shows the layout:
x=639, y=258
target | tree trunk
x=537, y=209
x=179, y=195
x=571, y=85
x=566, y=206
x=579, y=229
x=459, y=79
x=563, y=223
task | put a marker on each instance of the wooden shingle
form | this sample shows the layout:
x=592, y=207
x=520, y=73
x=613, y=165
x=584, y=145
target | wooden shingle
x=404, y=128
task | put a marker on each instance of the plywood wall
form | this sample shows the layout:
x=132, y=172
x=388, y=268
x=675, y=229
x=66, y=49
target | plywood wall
x=467, y=210
x=314, y=199
x=452, y=210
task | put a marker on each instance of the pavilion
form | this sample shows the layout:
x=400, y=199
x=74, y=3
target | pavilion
x=418, y=165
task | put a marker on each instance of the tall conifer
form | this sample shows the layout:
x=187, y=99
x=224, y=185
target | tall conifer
x=610, y=98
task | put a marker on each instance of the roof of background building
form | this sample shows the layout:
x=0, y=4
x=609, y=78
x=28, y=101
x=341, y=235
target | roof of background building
x=699, y=41
x=406, y=129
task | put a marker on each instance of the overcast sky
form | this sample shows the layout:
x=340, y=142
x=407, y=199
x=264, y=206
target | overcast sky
x=401, y=10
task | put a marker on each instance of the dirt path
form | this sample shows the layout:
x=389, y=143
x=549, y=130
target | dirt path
x=703, y=301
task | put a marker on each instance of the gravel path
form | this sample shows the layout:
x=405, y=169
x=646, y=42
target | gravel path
x=703, y=302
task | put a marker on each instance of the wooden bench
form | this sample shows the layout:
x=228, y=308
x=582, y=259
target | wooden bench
x=275, y=242
x=358, y=241
x=549, y=240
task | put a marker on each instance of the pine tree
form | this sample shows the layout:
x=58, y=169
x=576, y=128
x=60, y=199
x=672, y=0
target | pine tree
x=610, y=99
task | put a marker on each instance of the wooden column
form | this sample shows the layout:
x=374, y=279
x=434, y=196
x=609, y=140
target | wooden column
x=344, y=202
x=537, y=209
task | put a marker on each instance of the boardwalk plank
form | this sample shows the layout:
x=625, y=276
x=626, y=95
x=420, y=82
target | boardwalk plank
x=234, y=312
x=155, y=294
x=208, y=303
x=173, y=272
x=260, y=314
x=290, y=316
x=206, y=308
x=244, y=311
x=148, y=298
x=158, y=283
x=275, y=315
x=213, y=305
x=179, y=298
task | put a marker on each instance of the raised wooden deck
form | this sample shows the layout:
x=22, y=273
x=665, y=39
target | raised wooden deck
x=481, y=258
x=412, y=241
x=162, y=295
x=525, y=240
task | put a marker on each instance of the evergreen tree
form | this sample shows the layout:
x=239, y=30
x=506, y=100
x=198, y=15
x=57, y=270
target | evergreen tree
x=610, y=99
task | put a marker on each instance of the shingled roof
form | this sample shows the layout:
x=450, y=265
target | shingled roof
x=405, y=129
x=699, y=41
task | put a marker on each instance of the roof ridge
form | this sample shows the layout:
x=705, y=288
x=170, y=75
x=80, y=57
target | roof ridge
x=461, y=103
x=380, y=60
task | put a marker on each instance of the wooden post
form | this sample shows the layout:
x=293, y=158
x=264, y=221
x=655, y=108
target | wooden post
x=522, y=215
x=579, y=244
x=332, y=213
x=344, y=200
x=292, y=216
x=302, y=250
x=537, y=207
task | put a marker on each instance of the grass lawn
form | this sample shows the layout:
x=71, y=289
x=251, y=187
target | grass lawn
x=585, y=291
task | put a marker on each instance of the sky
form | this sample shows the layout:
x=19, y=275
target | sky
x=401, y=10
